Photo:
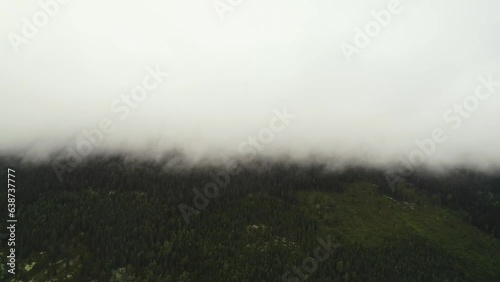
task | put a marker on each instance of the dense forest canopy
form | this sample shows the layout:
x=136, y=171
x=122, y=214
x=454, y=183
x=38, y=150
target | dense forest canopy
x=116, y=220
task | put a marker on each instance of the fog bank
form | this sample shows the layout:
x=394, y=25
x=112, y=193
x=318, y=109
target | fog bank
x=300, y=80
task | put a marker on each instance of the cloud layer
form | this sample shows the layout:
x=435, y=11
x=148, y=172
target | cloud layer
x=233, y=64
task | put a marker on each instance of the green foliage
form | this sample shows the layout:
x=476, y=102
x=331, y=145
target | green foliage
x=110, y=222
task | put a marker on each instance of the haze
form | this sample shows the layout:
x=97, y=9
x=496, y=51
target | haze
x=228, y=77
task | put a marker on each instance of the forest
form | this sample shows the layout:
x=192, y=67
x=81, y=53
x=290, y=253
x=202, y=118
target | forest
x=112, y=219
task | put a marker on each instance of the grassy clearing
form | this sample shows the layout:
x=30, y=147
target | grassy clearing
x=362, y=216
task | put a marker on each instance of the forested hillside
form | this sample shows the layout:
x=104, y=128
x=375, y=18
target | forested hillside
x=111, y=220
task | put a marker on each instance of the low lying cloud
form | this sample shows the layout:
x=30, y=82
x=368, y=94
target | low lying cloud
x=72, y=68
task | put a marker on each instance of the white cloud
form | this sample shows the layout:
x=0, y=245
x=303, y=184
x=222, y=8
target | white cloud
x=227, y=77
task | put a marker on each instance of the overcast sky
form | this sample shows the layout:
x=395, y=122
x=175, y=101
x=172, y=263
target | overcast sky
x=233, y=64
